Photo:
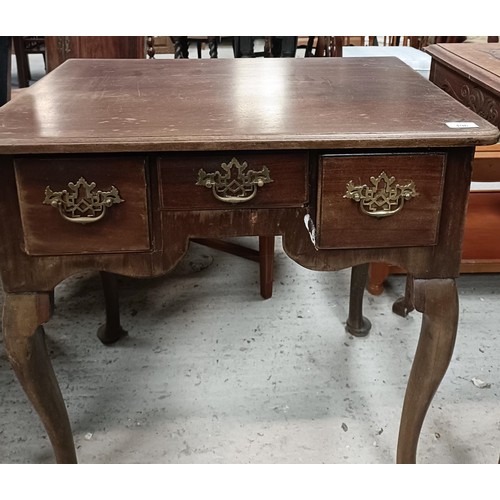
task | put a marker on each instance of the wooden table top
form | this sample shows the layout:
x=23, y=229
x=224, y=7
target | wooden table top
x=478, y=61
x=116, y=105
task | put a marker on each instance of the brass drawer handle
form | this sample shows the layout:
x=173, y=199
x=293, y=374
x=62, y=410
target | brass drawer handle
x=82, y=204
x=383, y=198
x=234, y=184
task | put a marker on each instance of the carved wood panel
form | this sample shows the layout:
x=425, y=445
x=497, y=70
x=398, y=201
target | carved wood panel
x=478, y=99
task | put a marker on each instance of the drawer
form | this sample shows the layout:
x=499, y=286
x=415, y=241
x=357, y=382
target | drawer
x=376, y=201
x=83, y=205
x=247, y=180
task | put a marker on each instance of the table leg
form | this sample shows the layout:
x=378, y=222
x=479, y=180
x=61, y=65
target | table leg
x=284, y=46
x=22, y=62
x=5, y=76
x=266, y=265
x=112, y=330
x=378, y=273
x=25, y=346
x=404, y=305
x=437, y=300
x=356, y=323
x=243, y=46
x=213, y=45
x=181, y=44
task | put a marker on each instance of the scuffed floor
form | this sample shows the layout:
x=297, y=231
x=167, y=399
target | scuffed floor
x=211, y=373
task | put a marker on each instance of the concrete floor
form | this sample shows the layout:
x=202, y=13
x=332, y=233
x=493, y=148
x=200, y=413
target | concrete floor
x=211, y=373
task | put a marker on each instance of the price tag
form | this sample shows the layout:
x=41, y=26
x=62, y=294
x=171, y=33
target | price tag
x=461, y=125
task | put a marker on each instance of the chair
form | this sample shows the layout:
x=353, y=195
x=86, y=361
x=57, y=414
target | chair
x=24, y=45
x=5, y=45
x=274, y=46
x=182, y=43
x=332, y=46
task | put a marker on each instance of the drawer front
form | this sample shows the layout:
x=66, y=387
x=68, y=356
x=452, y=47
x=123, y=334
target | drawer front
x=233, y=180
x=376, y=201
x=83, y=205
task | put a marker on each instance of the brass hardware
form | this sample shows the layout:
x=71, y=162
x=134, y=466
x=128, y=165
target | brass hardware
x=383, y=198
x=81, y=204
x=234, y=185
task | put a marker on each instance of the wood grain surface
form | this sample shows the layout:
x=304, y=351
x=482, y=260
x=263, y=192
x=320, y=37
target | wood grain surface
x=160, y=105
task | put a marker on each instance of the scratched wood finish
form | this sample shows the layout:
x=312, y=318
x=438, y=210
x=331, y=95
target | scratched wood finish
x=165, y=105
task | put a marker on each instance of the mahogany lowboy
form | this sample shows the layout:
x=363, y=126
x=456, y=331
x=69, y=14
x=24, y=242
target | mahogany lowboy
x=115, y=164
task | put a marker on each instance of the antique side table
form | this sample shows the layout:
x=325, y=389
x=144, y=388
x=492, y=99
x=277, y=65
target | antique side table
x=114, y=165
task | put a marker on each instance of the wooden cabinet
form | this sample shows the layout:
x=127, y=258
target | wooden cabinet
x=163, y=45
x=60, y=48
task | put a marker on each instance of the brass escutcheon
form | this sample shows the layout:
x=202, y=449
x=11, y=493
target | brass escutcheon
x=81, y=204
x=234, y=184
x=383, y=198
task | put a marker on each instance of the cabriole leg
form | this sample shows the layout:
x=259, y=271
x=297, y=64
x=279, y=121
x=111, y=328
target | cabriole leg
x=356, y=323
x=437, y=300
x=111, y=331
x=25, y=346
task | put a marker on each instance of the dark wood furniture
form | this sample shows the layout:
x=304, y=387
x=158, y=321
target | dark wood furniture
x=332, y=46
x=98, y=158
x=5, y=80
x=163, y=45
x=182, y=43
x=264, y=256
x=23, y=46
x=60, y=48
x=470, y=73
x=274, y=46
